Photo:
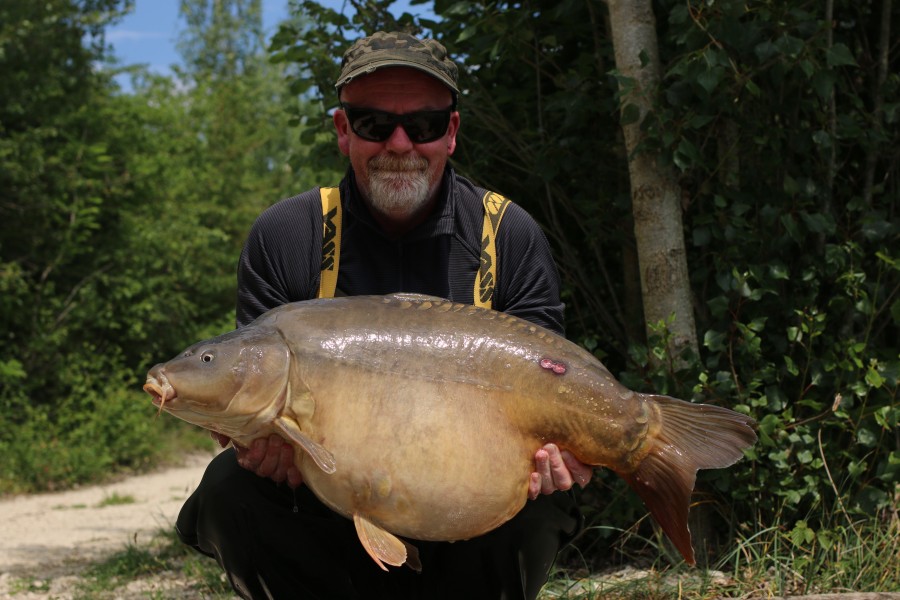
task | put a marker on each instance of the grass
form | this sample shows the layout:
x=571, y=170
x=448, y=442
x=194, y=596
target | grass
x=861, y=557
x=782, y=560
x=161, y=568
x=29, y=585
x=116, y=499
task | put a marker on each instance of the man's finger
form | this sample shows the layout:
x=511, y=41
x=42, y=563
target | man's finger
x=542, y=468
x=221, y=439
x=548, y=485
x=294, y=478
x=534, y=486
x=561, y=478
x=272, y=457
x=581, y=472
x=251, y=457
x=285, y=462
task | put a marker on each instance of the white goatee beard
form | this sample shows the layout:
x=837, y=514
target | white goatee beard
x=398, y=184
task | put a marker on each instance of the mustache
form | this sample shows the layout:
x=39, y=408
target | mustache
x=389, y=162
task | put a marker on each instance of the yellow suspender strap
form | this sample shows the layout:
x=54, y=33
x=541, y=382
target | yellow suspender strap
x=494, y=207
x=485, y=280
x=331, y=241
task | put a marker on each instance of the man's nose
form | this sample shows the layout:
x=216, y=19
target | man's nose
x=399, y=141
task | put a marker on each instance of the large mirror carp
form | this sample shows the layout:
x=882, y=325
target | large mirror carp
x=419, y=418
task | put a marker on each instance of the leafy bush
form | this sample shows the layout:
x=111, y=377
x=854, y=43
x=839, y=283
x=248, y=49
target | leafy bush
x=85, y=440
x=120, y=227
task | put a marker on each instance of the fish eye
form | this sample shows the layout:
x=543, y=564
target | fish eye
x=207, y=356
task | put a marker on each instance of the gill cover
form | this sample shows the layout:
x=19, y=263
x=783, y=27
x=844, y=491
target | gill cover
x=231, y=380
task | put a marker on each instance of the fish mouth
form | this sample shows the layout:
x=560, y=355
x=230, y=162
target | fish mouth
x=160, y=389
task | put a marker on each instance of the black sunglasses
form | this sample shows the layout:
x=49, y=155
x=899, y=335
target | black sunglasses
x=377, y=126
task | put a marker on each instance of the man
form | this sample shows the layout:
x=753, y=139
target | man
x=410, y=224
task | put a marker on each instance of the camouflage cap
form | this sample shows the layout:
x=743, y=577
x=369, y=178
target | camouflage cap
x=397, y=49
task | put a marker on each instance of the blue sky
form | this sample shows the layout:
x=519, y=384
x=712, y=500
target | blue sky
x=149, y=33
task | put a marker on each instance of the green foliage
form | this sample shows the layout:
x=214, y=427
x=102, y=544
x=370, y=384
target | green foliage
x=59, y=173
x=120, y=227
x=782, y=126
x=848, y=555
x=793, y=261
x=310, y=46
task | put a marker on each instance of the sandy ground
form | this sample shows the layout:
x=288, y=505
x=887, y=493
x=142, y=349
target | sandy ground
x=52, y=534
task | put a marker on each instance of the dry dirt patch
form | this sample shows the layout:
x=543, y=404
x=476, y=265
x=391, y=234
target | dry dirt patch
x=52, y=536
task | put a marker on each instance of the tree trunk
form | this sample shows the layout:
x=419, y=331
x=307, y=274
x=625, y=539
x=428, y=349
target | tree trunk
x=655, y=193
x=884, y=44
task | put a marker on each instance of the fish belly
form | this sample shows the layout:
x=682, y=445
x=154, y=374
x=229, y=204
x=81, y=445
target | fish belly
x=420, y=459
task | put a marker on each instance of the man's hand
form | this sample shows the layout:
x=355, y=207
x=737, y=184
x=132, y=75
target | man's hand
x=555, y=470
x=270, y=457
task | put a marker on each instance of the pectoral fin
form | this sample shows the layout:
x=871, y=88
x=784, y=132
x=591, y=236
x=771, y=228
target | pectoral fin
x=382, y=546
x=320, y=455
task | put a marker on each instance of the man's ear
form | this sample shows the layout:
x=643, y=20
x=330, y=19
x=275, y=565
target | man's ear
x=342, y=127
x=451, y=132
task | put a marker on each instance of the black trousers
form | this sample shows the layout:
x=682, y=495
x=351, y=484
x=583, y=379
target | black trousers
x=274, y=542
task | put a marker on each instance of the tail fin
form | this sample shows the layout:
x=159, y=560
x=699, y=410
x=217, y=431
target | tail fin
x=692, y=437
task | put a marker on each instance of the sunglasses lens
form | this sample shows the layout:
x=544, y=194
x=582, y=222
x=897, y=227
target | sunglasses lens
x=426, y=126
x=377, y=126
x=370, y=125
